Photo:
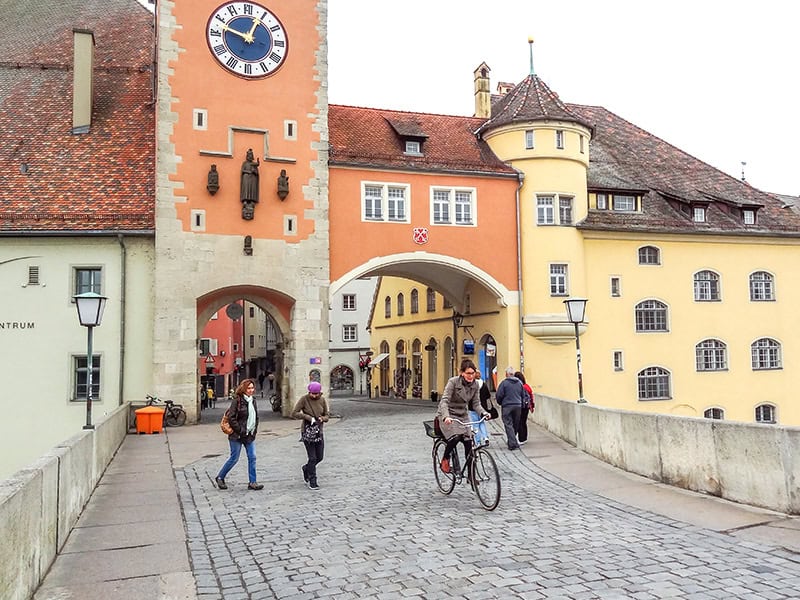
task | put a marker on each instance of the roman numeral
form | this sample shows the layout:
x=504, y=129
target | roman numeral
x=279, y=43
x=263, y=67
x=275, y=57
x=219, y=49
x=261, y=18
x=232, y=62
x=275, y=28
x=215, y=33
x=248, y=69
x=248, y=9
x=232, y=10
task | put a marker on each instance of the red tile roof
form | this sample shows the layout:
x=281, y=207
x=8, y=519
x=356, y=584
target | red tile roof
x=101, y=181
x=369, y=137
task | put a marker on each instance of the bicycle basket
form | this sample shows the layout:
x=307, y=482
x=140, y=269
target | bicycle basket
x=430, y=430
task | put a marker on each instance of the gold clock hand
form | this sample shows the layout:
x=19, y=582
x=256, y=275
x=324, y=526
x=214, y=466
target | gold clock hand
x=249, y=37
x=239, y=33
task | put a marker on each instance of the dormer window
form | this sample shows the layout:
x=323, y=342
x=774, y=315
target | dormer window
x=413, y=147
x=699, y=214
x=749, y=217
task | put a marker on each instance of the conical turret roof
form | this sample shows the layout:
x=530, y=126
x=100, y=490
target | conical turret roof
x=531, y=100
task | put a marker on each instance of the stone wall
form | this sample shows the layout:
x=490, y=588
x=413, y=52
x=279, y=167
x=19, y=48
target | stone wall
x=40, y=504
x=748, y=463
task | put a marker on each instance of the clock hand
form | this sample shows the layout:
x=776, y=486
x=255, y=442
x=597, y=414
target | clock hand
x=237, y=32
x=253, y=28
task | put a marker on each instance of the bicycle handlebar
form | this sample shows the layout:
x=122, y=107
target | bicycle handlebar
x=482, y=419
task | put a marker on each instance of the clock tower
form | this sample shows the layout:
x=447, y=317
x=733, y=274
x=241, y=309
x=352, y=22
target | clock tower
x=242, y=182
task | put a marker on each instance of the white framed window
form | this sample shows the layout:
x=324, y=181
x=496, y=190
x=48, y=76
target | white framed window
x=387, y=202
x=711, y=355
x=715, y=413
x=564, y=210
x=560, y=139
x=80, y=377
x=765, y=354
x=582, y=141
x=350, y=333
x=200, y=119
x=623, y=203
x=348, y=301
x=765, y=413
x=649, y=255
x=601, y=202
x=699, y=214
x=290, y=130
x=209, y=346
x=762, y=287
x=616, y=287
x=545, y=213
x=430, y=297
x=289, y=225
x=453, y=206
x=198, y=220
x=654, y=383
x=651, y=315
x=618, y=361
x=88, y=279
x=559, y=282
x=414, y=301
x=529, y=139
x=749, y=217
x=413, y=147
x=706, y=287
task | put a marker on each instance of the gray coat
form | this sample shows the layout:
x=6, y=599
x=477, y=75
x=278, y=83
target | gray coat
x=457, y=399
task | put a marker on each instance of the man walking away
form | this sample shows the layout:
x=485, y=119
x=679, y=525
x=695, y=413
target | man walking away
x=511, y=397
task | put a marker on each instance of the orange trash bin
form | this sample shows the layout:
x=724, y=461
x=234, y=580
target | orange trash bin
x=149, y=419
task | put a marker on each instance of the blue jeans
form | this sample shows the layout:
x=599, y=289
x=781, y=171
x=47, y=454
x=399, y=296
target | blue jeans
x=236, y=448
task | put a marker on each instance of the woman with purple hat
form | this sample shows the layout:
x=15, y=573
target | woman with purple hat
x=313, y=409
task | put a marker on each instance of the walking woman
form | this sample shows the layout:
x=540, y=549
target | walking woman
x=313, y=409
x=527, y=408
x=243, y=417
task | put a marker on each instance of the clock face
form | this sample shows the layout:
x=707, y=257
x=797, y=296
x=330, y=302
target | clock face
x=247, y=39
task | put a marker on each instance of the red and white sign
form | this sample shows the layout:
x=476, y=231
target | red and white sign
x=420, y=235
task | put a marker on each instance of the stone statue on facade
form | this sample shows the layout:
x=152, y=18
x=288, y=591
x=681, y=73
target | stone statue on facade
x=249, y=186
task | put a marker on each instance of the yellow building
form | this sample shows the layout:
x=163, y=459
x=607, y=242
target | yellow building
x=688, y=272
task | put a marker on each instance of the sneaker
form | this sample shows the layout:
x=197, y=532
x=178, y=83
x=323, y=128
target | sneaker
x=312, y=485
x=255, y=486
x=221, y=483
x=445, y=465
x=523, y=442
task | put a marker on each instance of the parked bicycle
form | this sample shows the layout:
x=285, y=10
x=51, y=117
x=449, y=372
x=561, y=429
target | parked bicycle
x=479, y=469
x=174, y=415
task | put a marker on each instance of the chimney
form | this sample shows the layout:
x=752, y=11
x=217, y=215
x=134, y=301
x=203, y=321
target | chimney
x=82, y=80
x=483, y=97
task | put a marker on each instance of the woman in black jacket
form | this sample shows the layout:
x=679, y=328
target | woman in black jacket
x=243, y=417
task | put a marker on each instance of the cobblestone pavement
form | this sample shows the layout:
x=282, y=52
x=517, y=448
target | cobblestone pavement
x=379, y=528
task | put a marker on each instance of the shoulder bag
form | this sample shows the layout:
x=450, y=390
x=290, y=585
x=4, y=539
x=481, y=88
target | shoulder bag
x=312, y=434
x=225, y=423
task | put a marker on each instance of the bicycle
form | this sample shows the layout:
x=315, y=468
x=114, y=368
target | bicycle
x=479, y=469
x=174, y=415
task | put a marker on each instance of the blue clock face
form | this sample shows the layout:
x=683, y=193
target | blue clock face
x=247, y=39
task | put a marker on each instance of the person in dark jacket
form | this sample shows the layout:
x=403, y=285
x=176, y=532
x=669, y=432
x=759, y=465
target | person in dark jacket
x=461, y=394
x=511, y=397
x=243, y=417
x=527, y=408
x=311, y=408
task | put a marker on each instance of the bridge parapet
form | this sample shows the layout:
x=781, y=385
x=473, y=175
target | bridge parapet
x=748, y=463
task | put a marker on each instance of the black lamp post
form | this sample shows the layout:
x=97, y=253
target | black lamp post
x=576, y=312
x=90, y=313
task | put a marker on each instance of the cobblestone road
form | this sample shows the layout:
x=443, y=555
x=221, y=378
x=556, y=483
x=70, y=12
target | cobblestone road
x=379, y=528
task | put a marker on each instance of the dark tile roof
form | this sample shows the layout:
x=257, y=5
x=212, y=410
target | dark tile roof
x=625, y=157
x=530, y=100
x=367, y=137
x=103, y=180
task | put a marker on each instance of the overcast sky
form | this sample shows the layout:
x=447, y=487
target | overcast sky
x=720, y=80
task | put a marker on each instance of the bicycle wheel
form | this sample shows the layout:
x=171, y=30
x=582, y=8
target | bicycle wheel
x=176, y=417
x=485, y=479
x=445, y=481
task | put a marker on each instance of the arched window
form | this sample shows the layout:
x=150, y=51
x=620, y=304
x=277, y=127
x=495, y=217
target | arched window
x=654, y=384
x=414, y=301
x=714, y=413
x=651, y=315
x=711, y=355
x=431, y=300
x=706, y=287
x=765, y=413
x=762, y=287
x=387, y=307
x=765, y=354
x=649, y=255
x=401, y=305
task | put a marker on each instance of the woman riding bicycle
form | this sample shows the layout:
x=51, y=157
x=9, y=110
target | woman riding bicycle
x=460, y=395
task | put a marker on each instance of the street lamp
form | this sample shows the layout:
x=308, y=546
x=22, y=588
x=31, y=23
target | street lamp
x=90, y=313
x=576, y=311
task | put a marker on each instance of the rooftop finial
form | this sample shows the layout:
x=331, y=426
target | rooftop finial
x=744, y=164
x=530, y=46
